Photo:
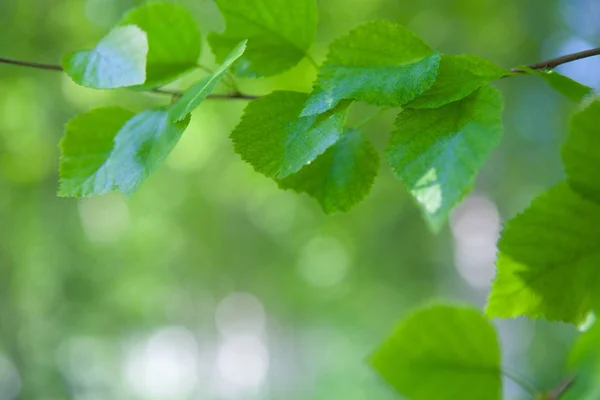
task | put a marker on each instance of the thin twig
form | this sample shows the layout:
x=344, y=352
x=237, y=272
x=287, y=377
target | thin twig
x=557, y=393
x=174, y=93
x=555, y=62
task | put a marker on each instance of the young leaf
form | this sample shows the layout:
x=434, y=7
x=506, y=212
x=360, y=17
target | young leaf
x=581, y=152
x=279, y=34
x=342, y=176
x=442, y=353
x=548, y=259
x=459, y=76
x=113, y=149
x=379, y=63
x=174, y=41
x=562, y=84
x=118, y=60
x=277, y=142
x=438, y=152
x=197, y=93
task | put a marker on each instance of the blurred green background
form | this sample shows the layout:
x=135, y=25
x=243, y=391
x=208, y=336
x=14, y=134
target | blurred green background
x=211, y=283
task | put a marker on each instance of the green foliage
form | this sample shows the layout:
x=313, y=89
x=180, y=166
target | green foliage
x=197, y=93
x=173, y=40
x=279, y=34
x=118, y=60
x=459, y=76
x=278, y=143
x=562, y=84
x=342, y=176
x=437, y=152
x=112, y=149
x=379, y=63
x=442, y=353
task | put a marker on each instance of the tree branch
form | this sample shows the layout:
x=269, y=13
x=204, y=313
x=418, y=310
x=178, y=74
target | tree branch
x=555, y=62
x=52, y=67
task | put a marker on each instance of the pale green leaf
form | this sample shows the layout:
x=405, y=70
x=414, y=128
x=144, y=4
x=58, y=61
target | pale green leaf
x=458, y=77
x=118, y=60
x=581, y=152
x=438, y=152
x=442, y=353
x=174, y=42
x=197, y=93
x=564, y=85
x=548, y=259
x=379, y=63
x=279, y=34
x=342, y=176
x=113, y=149
x=277, y=142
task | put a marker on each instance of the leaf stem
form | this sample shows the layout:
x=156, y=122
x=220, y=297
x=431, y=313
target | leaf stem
x=519, y=380
x=312, y=61
x=372, y=117
x=48, y=67
x=557, y=393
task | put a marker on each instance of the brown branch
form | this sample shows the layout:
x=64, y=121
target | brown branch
x=555, y=62
x=174, y=93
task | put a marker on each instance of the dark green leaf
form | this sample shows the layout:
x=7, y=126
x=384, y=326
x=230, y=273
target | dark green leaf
x=277, y=142
x=197, y=93
x=459, y=76
x=379, y=63
x=113, y=149
x=174, y=41
x=581, y=152
x=342, y=176
x=438, y=152
x=442, y=353
x=118, y=60
x=548, y=259
x=279, y=34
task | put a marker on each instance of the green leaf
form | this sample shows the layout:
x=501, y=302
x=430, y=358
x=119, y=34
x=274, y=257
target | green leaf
x=174, y=42
x=118, y=60
x=279, y=34
x=562, y=84
x=342, y=176
x=438, y=152
x=548, y=259
x=113, y=149
x=277, y=142
x=581, y=152
x=379, y=63
x=459, y=76
x=442, y=353
x=197, y=93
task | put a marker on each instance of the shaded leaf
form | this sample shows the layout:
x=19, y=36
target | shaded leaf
x=276, y=141
x=342, y=176
x=438, y=152
x=548, y=259
x=174, y=42
x=458, y=77
x=564, y=85
x=118, y=60
x=581, y=152
x=379, y=63
x=442, y=353
x=113, y=149
x=279, y=34
x=197, y=93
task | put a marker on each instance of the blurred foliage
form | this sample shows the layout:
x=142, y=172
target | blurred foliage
x=107, y=298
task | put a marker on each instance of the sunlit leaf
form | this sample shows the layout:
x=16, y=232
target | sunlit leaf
x=548, y=259
x=459, y=76
x=442, y=353
x=342, y=176
x=113, y=149
x=118, y=60
x=379, y=63
x=438, y=152
x=197, y=93
x=174, y=42
x=279, y=34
